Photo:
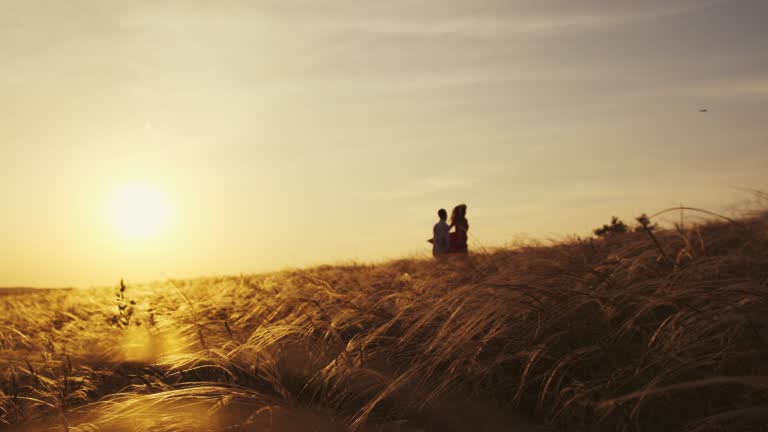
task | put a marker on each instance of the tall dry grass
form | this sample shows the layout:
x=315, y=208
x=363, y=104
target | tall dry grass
x=626, y=332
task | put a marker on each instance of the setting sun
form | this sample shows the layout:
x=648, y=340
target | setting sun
x=139, y=211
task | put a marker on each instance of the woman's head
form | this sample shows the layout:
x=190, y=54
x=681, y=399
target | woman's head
x=459, y=214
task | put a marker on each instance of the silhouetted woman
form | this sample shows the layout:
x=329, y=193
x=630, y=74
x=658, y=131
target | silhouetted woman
x=460, y=226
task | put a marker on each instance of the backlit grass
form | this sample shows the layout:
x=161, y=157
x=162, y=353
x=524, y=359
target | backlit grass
x=626, y=332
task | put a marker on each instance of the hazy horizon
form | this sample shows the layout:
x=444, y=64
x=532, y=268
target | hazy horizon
x=151, y=141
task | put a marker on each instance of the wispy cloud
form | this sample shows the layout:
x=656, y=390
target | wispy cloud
x=744, y=87
x=502, y=19
x=423, y=187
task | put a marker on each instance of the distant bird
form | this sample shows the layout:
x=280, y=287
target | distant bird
x=703, y=110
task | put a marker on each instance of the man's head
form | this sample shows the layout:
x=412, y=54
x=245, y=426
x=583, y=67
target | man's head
x=442, y=214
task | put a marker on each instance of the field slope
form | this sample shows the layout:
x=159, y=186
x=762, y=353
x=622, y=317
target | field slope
x=634, y=331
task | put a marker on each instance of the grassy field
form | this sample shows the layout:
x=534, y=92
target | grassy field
x=633, y=332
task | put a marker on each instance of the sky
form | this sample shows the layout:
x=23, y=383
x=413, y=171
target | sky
x=172, y=139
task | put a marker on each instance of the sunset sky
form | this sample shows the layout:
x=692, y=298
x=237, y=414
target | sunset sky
x=157, y=139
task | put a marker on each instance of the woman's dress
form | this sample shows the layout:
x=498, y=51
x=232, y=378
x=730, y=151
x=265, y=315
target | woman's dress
x=458, y=241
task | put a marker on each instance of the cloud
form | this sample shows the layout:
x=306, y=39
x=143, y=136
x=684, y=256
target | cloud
x=423, y=187
x=743, y=87
x=495, y=19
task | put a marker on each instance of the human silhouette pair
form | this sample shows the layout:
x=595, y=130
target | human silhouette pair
x=444, y=241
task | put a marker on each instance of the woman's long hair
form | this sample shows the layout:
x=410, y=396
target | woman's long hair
x=459, y=216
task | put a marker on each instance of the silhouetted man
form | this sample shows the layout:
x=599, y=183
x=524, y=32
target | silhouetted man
x=440, y=237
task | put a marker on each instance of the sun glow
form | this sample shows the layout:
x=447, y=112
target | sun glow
x=139, y=211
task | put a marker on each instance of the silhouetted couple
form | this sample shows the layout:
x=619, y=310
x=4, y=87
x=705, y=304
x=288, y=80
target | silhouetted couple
x=444, y=241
